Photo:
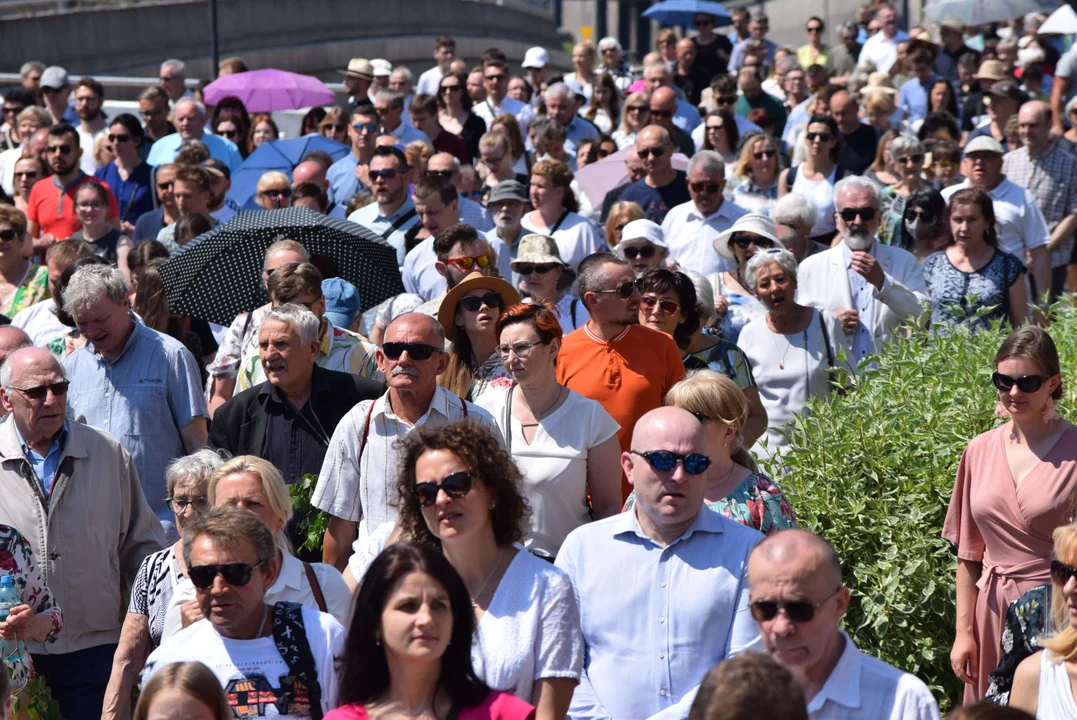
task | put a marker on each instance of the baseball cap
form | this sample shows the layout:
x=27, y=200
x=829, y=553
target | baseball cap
x=54, y=77
x=984, y=143
x=508, y=190
x=341, y=302
x=536, y=57
x=215, y=166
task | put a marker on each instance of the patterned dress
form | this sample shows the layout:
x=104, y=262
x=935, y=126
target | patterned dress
x=33, y=289
x=956, y=295
x=1026, y=625
x=491, y=374
x=153, y=588
x=17, y=559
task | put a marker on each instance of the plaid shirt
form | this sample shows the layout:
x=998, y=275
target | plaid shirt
x=1052, y=178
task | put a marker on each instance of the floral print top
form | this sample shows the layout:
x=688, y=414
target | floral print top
x=491, y=374
x=34, y=289
x=17, y=559
x=758, y=502
x=1026, y=624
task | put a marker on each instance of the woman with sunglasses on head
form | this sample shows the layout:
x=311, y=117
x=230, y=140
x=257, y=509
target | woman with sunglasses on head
x=734, y=303
x=454, y=112
x=540, y=269
x=1012, y=490
x=721, y=135
x=335, y=125
x=469, y=313
x=555, y=212
x=643, y=246
x=565, y=445
x=22, y=282
x=907, y=159
x=148, y=621
x=604, y=109
x=756, y=175
x=636, y=116
x=273, y=191
x=924, y=229
x=408, y=649
x=974, y=273
x=130, y=179
x=816, y=176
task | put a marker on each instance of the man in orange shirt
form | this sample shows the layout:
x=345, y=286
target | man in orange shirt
x=613, y=359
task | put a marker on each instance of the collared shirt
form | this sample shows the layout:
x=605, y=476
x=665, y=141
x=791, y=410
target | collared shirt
x=340, y=350
x=164, y=150
x=686, y=117
x=474, y=214
x=882, y=51
x=798, y=116
x=429, y=81
x=295, y=440
x=143, y=398
x=1052, y=179
x=578, y=129
x=912, y=97
x=1020, y=223
x=643, y=608
x=406, y=133
x=861, y=687
x=39, y=321
x=523, y=113
x=358, y=477
x=225, y=212
x=371, y=217
x=44, y=466
x=422, y=278
x=343, y=185
x=863, y=294
x=690, y=236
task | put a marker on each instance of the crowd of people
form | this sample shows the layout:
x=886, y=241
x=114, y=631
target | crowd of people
x=550, y=471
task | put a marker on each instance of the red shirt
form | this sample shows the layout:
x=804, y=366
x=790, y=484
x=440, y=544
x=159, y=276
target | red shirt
x=54, y=211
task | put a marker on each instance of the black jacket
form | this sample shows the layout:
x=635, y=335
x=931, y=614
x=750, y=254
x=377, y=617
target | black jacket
x=239, y=426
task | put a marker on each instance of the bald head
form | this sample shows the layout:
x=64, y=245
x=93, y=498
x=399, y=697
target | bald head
x=1034, y=126
x=27, y=360
x=808, y=553
x=442, y=162
x=39, y=418
x=12, y=339
x=666, y=421
x=664, y=98
x=416, y=324
x=310, y=171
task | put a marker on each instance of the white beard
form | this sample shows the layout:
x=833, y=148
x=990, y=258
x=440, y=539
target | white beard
x=860, y=241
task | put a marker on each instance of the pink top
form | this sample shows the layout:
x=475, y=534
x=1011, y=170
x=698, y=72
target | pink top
x=497, y=706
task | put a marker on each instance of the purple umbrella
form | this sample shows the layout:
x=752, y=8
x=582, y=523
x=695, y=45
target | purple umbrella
x=268, y=90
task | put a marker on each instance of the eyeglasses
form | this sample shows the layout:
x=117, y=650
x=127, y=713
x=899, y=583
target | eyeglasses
x=815, y=29
x=715, y=128
x=1061, y=572
x=648, y=152
x=416, y=351
x=60, y=149
x=366, y=127
x=625, y=290
x=746, y=240
x=180, y=505
x=662, y=113
x=821, y=137
x=474, y=303
x=867, y=214
x=764, y=154
x=235, y=574
x=1025, y=383
x=664, y=461
x=456, y=486
x=705, y=188
x=12, y=109
x=39, y=392
x=927, y=216
x=386, y=174
x=726, y=100
x=522, y=350
x=798, y=611
x=529, y=268
x=466, y=263
x=91, y=205
x=277, y=192
x=26, y=174
x=946, y=164
x=646, y=252
x=667, y=307
x=119, y=138
x=914, y=159
x=8, y=235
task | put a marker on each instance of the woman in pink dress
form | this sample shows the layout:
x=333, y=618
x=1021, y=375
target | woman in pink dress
x=408, y=650
x=1012, y=490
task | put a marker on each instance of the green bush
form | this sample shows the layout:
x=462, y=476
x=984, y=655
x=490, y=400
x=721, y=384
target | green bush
x=872, y=470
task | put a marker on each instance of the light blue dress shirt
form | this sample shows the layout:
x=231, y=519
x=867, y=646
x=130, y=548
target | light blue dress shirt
x=577, y=130
x=913, y=99
x=422, y=278
x=164, y=150
x=656, y=619
x=371, y=218
x=686, y=117
x=343, y=184
x=44, y=466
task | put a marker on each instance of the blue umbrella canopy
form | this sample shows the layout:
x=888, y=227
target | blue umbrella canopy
x=282, y=155
x=981, y=12
x=683, y=12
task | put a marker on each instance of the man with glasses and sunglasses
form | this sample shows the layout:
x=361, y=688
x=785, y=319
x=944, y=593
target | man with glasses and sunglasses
x=648, y=580
x=392, y=214
x=84, y=478
x=256, y=650
x=798, y=600
x=662, y=187
x=357, y=483
x=350, y=174
x=190, y=118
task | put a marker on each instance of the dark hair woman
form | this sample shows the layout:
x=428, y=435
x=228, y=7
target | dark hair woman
x=668, y=304
x=816, y=176
x=129, y=177
x=924, y=229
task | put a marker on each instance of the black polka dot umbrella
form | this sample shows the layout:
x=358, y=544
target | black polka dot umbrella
x=219, y=274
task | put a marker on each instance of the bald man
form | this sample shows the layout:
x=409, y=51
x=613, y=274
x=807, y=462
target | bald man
x=798, y=599
x=661, y=188
x=11, y=339
x=1045, y=167
x=662, y=587
x=310, y=171
x=663, y=106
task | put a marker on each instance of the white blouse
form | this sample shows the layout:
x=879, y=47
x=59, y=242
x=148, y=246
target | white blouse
x=576, y=237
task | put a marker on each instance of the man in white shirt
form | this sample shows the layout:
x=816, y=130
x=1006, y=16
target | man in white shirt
x=390, y=107
x=872, y=288
x=881, y=48
x=444, y=52
x=690, y=228
x=357, y=484
x=798, y=599
x=392, y=213
x=1022, y=229
x=495, y=78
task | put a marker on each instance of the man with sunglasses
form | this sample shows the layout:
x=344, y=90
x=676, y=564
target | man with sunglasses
x=662, y=187
x=798, y=600
x=350, y=174
x=495, y=73
x=59, y=477
x=389, y=104
x=392, y=213
x=662, y=110
x=872, y=288
x=357, y=483
x=685, y=116
x=153, y=106
x=662, y=588
x=446, y=168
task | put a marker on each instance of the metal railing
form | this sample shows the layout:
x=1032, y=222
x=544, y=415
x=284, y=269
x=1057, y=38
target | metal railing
x=130, y=82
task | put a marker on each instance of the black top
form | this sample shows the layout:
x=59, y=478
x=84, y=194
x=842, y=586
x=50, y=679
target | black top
x=858, y=149
x=474, y=128
x=104, y=246
x=656, y=202
x=295, y=441
x=149, y=225
x=713, y=57
x=683, y=141
x=698, y=78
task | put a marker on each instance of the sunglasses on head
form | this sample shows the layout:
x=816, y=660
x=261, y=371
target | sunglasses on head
x=474, y=303
x=645, y=252
x=1025, y=383
x=745, y=240
x=236, y=574
x=708, y=188
x=798, y=611
x=456, y=486
x=416, y=351
x=624, y=290
x=666, y=307
x=39, y=392
x=529, y=268
x=386, y=174
x=466, y=263
x=867, y=214
x=665, y=461
x=1061, y=572
x=648, y=152
x=821, y=137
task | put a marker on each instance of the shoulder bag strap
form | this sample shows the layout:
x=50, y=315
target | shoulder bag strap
x=315, y=587
x=826, y=341
x=508, y=421
x=290, y=638
x=572, y=311
x=396, y=225
x=557, y=224
x=791, y=177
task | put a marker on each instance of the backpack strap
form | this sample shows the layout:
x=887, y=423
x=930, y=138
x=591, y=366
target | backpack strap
x=396, y=225
x=315, y=587
x=300, y=687
x=572, y=311
x=791, y=177
x=410, y=239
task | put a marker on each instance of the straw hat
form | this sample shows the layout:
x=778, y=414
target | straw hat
x=751, y=223
x=474, y=281
x=360, y=68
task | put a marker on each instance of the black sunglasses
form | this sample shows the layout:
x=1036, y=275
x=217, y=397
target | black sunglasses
x=1025, y=383
x=456, y=486
x=662, y=113
x=386, y=174
x=528, y=268
x=277, y=192
x=8, y=235
x=228, y=133
x=764, y=154
x=927, y=216
x=416, y=351
x=726, y=100
x=439, y=173
x=744, y=241
x=625, y=290
x=61, y=149
x=645, y=252
x=119, y=138
x=798, y=611
x=236, y=574
x=59, y=389
x=664, y=461
x=705, y=187
x=867, y=214
x=648, y=152
x=164, y=185
x=1061, y=572
x=474, y=303
x=821, y=137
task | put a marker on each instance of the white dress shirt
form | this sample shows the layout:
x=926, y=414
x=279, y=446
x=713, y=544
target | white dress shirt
x=576, y=237
x=882, y=51
x=487, y=110
x=429, y=81
x=690, y=236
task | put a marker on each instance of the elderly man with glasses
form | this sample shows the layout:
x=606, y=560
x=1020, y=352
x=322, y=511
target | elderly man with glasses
x=190, y=119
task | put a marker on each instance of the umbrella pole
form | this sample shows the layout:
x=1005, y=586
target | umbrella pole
x=214, y=44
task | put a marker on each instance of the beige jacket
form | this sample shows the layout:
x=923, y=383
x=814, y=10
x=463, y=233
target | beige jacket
x=89, y=536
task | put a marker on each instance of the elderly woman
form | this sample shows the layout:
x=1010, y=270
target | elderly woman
x=469, y=314
x=792, y=348
x=637, y=115
x=540, y=269
x=621, y=214
x=565, y=444
x=642, y=245
x=734, y=303
x=148, y=621
x=335, y=125
x=274, y=190
x=923, y=228
x=262, y=129
x=22, y=283
x=555, y=212
x=721, y=135
x=907, y=159
x=798, y=213
x=756, y=174
x=817, y=175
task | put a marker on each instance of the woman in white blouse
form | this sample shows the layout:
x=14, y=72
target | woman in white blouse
x=564, y=444
x=556, y=213
x=791, y=349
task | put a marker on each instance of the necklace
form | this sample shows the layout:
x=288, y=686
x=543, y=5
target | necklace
x=788, y=344
x=265, y=614
x=476, y=596
x=540, y=415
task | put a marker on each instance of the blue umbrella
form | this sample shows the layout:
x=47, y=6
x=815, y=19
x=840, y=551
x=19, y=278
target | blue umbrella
x=281, y=155
x=682, y=12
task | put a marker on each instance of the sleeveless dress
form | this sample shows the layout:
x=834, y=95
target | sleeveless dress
x=820, y=192
x=1055, y=700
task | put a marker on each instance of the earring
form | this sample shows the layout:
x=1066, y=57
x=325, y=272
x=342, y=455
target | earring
x=1049, y=414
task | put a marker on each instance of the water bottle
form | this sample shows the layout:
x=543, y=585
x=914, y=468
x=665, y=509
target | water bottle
x=12, y=650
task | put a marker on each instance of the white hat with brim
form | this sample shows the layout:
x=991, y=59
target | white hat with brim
x=753, y=223
x=643, y=229
x=537, y=249
x=536, y=57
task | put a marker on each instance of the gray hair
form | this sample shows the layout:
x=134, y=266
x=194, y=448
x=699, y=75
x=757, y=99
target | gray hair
x=903, y=145
x=656, y=66
x=782, y=257
x=795, y=210
x=199, y=107
x=559, y=90
x=856, y=182
x=786, y=64
x=34, y=111
x=610, y=42
x=92, y=283
x=174, y=64
x=709, y=162
x=704, y=294
x=28, y=67
x=390, y=96
x=850, y=25
x=198, y=466
x=305, y=323
x=403, y=70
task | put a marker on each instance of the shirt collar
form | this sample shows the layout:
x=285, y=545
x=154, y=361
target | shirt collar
x=706, y=521
x=290, y=575
x=723, y=211
x=843, y=685
x=600, y=341
x=439, y=403
x=408, y=205
x=131, y=340
x=57, y=443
